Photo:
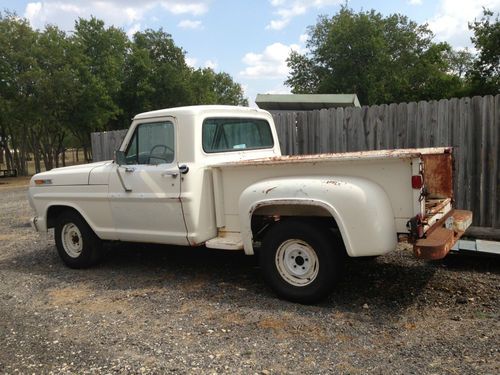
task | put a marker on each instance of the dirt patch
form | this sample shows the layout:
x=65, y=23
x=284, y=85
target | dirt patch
x=14, y=182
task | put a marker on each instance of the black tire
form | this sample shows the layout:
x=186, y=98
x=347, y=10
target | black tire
x=84, y=249
x=286, y=245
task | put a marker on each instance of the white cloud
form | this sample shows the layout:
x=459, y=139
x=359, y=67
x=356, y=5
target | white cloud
x=303, y=38
x=288, y=9
x=195, y=8
x=450, y=24
x=270, y=63
x=211, y=64
x=135, y=28
x=415, y=2
x=190, y=24
x=191, y=61
x=116, y=12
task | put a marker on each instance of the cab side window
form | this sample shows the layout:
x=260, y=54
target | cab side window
x=152, y=143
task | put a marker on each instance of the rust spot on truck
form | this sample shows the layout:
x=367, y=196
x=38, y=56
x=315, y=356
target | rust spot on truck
x=345, y=156
x=440, y=239
x=332, y=182
x=438, y=175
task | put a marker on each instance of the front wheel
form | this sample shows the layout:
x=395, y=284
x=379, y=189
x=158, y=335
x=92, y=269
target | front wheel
x=77, y=244
x=300, y=261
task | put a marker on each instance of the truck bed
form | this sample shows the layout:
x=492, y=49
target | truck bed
x=392, y=170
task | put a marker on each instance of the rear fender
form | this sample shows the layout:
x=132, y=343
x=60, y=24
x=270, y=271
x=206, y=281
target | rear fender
x=360, y=207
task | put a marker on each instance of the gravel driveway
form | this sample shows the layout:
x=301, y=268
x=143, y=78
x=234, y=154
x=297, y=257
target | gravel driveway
x=151, y=309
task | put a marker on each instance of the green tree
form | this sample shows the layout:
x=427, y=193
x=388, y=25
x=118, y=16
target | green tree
x=484, y=74
x=381, y=59
x=98, y=54
x=18, y=74
x=157, y=75
x=54, y=88
x=227, y=91
x=209, y=87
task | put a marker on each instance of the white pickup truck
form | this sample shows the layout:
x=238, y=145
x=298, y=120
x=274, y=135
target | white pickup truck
x=215, y=176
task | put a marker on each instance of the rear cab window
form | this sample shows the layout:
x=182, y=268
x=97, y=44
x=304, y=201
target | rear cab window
x=235, y=134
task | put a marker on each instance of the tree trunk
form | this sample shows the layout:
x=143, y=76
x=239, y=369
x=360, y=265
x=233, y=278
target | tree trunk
x=8, y=158
x=86, y=154
x=36, y=158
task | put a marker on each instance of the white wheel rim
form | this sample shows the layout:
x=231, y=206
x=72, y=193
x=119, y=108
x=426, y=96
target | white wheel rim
x=297, y=262
x=72, y=240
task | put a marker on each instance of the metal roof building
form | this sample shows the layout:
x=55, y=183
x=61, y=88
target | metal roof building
x=305, y=102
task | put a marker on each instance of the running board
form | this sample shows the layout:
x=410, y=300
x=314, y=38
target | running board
x=226, y=241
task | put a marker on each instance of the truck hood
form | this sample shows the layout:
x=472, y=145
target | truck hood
x=74, y=175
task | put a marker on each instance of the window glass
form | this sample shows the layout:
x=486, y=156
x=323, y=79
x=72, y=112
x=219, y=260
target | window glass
x=152, y=143
x=235, y=134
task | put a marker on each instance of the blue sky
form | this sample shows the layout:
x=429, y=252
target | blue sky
x=248, y=39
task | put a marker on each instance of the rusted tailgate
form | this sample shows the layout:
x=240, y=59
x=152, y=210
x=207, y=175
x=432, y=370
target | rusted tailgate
x=441, y=237
x=438, y=174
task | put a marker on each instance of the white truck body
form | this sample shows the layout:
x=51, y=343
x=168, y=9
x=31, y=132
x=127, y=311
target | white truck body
x=189, y=195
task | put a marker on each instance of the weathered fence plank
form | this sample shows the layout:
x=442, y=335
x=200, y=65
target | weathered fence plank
x=104, y=144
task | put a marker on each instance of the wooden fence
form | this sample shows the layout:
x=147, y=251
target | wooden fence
x=106, y=143
x=471, y=125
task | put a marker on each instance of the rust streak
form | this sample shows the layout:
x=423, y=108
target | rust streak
x=375, y=154
x=438, y=175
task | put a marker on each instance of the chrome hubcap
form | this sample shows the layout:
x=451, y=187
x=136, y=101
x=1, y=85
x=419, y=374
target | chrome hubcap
x=72, y=240
x=297, y=262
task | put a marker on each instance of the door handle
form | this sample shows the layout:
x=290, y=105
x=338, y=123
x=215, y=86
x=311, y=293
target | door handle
x=129, y=169
x=174, y=174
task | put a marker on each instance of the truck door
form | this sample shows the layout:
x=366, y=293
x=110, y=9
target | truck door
x=144, y=192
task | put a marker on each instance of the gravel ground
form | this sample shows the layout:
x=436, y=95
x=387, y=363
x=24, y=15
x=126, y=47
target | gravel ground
x=150, y=309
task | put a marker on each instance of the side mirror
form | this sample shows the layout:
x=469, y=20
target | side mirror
x=120, y=158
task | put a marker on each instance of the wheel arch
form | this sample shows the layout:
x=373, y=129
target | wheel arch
x=54, y=210
x=296, y=208
x=360, y=209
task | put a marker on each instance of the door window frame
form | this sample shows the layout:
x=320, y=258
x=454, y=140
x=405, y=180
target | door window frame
x=149, y=122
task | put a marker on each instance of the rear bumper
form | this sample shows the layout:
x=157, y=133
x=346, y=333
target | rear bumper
x=441, y=237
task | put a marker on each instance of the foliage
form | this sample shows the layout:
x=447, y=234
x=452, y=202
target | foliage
x=55, y=89
x=484, y=75
x=381, y=59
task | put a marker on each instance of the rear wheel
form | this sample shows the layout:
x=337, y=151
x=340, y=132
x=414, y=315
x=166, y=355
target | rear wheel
x=77, y=244
x=300, y=261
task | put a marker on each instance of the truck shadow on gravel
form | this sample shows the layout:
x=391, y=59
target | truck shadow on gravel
x=385, y=286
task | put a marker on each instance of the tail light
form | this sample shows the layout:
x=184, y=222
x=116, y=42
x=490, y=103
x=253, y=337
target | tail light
x=417, y=181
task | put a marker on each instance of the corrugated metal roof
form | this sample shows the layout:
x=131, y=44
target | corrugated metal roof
x=305, y=102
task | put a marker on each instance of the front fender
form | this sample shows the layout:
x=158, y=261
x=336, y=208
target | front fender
x=360, y=207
